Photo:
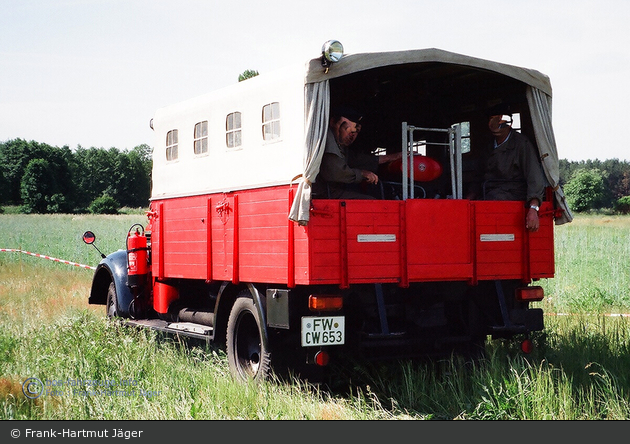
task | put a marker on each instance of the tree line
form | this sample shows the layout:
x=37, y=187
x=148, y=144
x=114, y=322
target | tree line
x=601, y=185
x=40, y=178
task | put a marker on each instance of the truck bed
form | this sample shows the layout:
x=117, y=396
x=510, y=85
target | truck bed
x=246, y=236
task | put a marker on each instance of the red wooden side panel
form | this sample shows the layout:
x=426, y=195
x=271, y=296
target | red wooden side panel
x=500, y=236
x=361, y=241
x=354, y=241
x=541, y=245
x=324, y=243
x=438, y=240
x=373, y=240
x=183, y=234
x=223, y=214
x=301, y=260
x=246, y=236
x=505, y=249
x=250, y=238
x=263, y=235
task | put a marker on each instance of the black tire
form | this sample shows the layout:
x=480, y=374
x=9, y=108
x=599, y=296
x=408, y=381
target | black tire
x=112, y=302
x=247, y=352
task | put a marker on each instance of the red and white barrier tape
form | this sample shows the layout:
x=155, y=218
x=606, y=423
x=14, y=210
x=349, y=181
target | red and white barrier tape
x=47, y=257
x=608, y=315
x=614, y=315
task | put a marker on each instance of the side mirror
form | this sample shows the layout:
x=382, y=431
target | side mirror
x=89, y=238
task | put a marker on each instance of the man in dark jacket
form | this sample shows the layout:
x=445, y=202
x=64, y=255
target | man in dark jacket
x=343, y=169
x=512, y=169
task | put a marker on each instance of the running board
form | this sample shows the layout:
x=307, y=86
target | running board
x=189, y=329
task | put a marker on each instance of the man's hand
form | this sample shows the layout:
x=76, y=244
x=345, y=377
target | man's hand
x=369, y=176
x=531, y=220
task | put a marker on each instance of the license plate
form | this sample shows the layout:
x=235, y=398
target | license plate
x=323, y=330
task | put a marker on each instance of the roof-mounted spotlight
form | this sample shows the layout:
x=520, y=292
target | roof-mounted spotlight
x=332, y=52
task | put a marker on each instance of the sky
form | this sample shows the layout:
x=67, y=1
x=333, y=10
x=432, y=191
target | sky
x=92, y=73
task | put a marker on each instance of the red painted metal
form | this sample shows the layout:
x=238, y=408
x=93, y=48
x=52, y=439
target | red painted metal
x=245, y=236
x=208, y=223
x=157, y=243
x=290, y=245
x=404, y=276
x=343, y=245
x=236, y=244
x=163, y=295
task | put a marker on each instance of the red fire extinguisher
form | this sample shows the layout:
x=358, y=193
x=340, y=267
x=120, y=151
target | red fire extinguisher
x=137, y=257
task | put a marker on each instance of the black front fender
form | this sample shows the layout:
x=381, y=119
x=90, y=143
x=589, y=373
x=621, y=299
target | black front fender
x=112, y=268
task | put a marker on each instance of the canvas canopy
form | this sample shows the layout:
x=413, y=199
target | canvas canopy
x=317, y=102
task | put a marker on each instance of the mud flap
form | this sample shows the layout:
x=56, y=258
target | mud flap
x=531, y=318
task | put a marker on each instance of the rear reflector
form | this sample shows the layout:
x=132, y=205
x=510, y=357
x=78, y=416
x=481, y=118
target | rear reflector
x=325, y=302
x=321, y=358
x=527, y=346
x=530, y=294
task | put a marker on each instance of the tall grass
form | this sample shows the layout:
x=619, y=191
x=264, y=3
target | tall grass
x=48, y=332
x=592, y=266
x=578, y=369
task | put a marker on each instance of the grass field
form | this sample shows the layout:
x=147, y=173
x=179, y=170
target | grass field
x=48, y=331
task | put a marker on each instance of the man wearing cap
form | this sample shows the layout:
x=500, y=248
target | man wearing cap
x=512, y=169
x=342, y=169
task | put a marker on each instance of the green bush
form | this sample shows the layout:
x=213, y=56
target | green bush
x=585, y=190
x=623, y=205
x=104, y=205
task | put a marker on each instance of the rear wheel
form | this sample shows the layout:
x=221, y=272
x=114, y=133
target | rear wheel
x=247, y=351
x=112, y=301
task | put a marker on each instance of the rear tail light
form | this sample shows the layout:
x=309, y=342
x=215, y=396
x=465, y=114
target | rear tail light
x=530, y=294
x=325, y=302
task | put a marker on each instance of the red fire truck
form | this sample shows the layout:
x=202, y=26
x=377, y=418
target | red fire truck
x=238, y=252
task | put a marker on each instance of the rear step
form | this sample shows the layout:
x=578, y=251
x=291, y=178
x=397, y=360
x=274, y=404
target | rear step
x=189, y=329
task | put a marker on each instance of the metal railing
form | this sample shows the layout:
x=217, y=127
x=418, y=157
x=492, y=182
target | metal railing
x=454, y=145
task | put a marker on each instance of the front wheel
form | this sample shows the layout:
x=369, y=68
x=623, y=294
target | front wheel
x=247, y=351
x=112, y=302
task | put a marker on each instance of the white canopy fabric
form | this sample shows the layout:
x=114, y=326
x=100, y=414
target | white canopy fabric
x=317, y=101
x=540, y=110
x=318, y=98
